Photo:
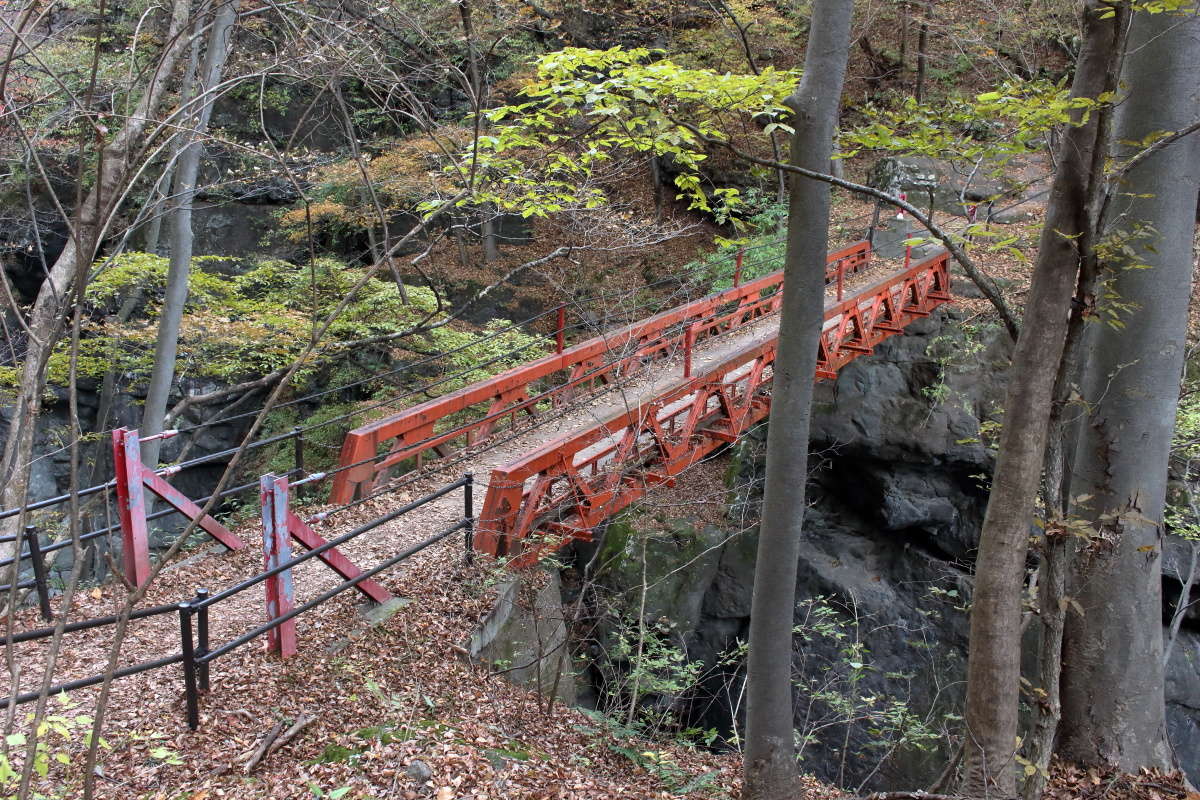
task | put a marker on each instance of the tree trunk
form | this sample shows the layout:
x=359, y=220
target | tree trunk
x=769, y=760
x=487, y=230
x=89, y=224
x=923, y=52
x=1113, y=707
x=184, y=192
x=993, y=665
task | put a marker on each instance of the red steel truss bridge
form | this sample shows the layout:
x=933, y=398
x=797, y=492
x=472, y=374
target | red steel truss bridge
x=630, y=409
x=566, y=441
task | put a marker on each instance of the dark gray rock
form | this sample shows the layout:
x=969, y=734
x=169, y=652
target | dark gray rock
x=419, y=771
x=1183, y=701
x=943, y=186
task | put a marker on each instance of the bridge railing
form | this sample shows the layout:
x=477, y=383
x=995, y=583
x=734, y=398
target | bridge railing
x=414, y=432
x=568, y=486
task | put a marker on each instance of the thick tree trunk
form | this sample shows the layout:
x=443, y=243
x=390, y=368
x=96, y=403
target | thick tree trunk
x=770, y=764
x=184, y=190
x=1113, y=708
x=90, y=223
x=993, y=666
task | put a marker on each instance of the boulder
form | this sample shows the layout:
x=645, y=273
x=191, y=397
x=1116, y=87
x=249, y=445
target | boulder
x=943, y=186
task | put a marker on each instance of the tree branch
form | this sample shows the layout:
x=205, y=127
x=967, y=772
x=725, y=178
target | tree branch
x=977, y=276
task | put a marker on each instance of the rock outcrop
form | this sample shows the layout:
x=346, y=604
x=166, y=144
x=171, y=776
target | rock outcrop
x=901, y=464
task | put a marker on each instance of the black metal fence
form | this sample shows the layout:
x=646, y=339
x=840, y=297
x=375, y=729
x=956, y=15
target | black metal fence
x=195, y=652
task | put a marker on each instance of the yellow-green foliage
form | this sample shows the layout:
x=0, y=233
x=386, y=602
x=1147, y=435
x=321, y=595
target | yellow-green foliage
x=588, y=107
x=992, y=127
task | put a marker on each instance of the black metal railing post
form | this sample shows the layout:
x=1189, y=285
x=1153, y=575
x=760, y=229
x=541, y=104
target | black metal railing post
x=298, y=455
x=469, y=516
x=38, y=561
x=187, y=650
x=202, y=637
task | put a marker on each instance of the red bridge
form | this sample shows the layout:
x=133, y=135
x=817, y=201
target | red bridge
x=544, y=493
x=567, y=441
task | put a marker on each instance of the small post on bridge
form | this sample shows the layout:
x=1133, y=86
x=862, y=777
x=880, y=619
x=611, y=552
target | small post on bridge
x=689, y=339
x=560, y=325
x=841, y=279
x=280, y=590
x=298, y=455
x=202, y=637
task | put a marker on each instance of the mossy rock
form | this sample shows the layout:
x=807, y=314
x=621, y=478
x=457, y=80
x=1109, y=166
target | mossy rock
x=681, y=559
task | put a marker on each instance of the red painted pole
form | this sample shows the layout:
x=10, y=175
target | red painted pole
x=689, y=337
x=280, y=590
x=907, y=257
x=841, y=279
x=558, y=333
x=131, y=505
x=737, y=273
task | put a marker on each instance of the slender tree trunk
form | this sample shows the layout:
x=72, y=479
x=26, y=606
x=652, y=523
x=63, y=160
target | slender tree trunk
x=923, y=52
x=90, y=222
x=769, y=759
x=994, y=660
x=1058, y=545
x=184, y=191
x=1113, y=707
x=152, y=243
x=903, y=49
x=487, y=229
x=459, y=225
x=488, y=222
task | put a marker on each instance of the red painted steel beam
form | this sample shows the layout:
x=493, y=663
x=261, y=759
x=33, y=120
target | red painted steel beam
x=132, y=479
x=564, y=489
x=333, y=559
x=280, y=589
x=411, y=432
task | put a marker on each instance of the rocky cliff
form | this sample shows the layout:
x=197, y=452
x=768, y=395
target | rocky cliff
x=901, y=463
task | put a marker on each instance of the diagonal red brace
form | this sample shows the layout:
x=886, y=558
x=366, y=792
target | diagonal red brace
x=132, y=479
x=333, y=559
